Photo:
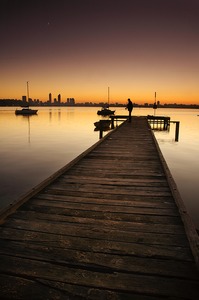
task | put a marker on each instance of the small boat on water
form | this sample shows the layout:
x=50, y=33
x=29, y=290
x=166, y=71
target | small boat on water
x=26, y=111
x=105, y=111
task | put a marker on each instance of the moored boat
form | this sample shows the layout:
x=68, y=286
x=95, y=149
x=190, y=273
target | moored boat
x=105, y=111
x=26, y=111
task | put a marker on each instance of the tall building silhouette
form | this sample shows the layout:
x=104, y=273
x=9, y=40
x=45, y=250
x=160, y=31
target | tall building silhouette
x=59, y=98
x=24, y=98
x=50, y=98
x=70, y=101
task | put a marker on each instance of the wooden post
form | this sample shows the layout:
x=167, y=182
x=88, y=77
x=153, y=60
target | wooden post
x=100, y=129
x=165, y=124
x=100, y=133
x=177, y=131
x=112, y=122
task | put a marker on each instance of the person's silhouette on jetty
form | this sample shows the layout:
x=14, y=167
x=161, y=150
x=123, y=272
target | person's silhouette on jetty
x=130, y=108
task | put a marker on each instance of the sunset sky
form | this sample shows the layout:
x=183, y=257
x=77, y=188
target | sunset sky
x=79, y=48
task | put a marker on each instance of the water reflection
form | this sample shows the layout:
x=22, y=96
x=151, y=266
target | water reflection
x=57, y=135
x=28, y=117
x=50, y=114
x=27, y=121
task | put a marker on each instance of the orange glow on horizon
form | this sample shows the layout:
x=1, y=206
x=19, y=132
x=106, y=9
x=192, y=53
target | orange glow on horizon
x=139, y=97
x=134, y=49
x=140, y=89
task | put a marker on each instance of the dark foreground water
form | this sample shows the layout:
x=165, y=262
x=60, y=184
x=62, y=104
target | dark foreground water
x=33, y=148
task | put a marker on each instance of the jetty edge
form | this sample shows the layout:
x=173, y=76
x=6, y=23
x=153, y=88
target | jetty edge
x=106, y=227
x=39, y=187
x=189, y=226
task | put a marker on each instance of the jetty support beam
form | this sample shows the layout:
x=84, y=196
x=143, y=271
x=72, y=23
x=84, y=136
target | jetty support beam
x=117, y=118
x=177, y=129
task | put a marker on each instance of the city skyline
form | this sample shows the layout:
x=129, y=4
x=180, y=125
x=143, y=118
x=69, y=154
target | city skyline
x=72, y=102
x=80, y=48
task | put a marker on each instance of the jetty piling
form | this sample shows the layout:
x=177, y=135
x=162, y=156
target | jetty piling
x=116, y=118
x=177, y=129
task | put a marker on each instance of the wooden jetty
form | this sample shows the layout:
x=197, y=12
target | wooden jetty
x=109, y=225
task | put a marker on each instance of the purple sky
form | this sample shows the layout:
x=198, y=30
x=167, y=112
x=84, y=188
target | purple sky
x=80, y=47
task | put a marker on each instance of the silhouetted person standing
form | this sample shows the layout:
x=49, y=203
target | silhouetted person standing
x=130, y=108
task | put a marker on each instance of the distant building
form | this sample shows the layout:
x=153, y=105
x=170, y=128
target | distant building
x=24, y=98
x=70, y=101
x=59, y=99
x=50, y=98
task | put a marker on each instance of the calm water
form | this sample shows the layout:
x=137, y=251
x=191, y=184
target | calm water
x=33, y=148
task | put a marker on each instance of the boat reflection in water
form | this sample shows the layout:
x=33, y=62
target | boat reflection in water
x=101, y=126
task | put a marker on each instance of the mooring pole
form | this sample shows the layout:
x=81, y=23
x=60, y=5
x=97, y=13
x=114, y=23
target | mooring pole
x=177, y=131
x=112, y=122
x=100, y=129
x=27, y=91
x=155, y=105
x=100, y=134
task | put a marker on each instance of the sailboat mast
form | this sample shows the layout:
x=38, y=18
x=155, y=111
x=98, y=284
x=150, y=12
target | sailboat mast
x=108, y=94
x=155, y=105
x=28, y=90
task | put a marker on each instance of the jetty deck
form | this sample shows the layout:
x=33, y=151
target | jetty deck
x=109, y=225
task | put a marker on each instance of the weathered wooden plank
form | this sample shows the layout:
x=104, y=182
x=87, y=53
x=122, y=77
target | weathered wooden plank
x=104, y=215
x=146, y=201
x=111, y=224
x=14, y=287
x=139, y=173
x=48, y=240
x=104, y=261
x=108, y=208
x=45, y=289
x=136, y=191
x=132, y=174
x=154, y=285
x=123, y=188
x=133, y=166
x=100, y=233
x=119, y=182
